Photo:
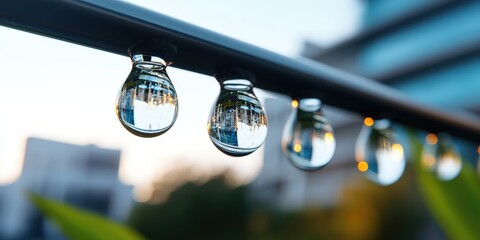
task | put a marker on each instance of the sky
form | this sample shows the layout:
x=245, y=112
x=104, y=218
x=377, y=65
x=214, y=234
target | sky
x=281, y=28
x=66, y=92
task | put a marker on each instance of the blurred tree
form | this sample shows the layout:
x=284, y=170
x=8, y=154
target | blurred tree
x=364, y=211
x=209, y=211
x=216, y=211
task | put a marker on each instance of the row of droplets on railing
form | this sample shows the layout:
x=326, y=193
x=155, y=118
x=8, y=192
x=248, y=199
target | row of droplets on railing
x=148, y=104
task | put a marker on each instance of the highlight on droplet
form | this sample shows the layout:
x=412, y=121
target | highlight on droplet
x=329, y=139
x=362, y=166
x=397, y=151
x=294, y=103
x=297, y=147
x=431, y=139
x=368, y=121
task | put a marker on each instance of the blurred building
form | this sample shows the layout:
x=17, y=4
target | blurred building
x=83, y=176
x=428, y=49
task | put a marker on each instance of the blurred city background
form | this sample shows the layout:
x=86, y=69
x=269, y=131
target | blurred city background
x=60, y=137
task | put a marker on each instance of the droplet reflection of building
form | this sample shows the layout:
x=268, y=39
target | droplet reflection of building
x=234, y=118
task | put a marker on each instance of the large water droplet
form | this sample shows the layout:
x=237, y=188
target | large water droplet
x=308, y=140
x=238, y=124
x=379, y=155
x=441, y=156
x=147, y=105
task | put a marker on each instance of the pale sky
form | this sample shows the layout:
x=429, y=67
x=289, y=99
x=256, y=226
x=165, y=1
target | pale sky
x=66, y=92
x=279, y=26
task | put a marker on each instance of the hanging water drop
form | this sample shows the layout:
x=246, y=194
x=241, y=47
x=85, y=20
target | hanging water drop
x=147, y=105
x=440, y=156
x=238, y=124
x=379, y=155
x=308, y=140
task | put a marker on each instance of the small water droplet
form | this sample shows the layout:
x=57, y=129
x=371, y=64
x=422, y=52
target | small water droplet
x=238, y=124
x=308, y=140
x=379, y=155
x=147, y=105
x=441, y=157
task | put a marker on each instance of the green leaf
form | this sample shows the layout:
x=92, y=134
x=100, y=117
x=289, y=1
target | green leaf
x=78, y=224
x=455, y=204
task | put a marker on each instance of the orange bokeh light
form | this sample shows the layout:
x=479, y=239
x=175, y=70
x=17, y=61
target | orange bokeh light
x=368, y=121
x=431, y=139
x=362, y=166
x=294, y=103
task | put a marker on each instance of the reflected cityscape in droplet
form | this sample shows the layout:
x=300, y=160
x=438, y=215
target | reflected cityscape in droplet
x=441, y=156
x=147, y=105
x=308, y=140
x=238, y=124
x=380, y=157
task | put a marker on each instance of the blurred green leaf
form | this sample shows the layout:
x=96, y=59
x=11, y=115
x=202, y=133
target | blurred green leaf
x=78, y=224
x=455, y=204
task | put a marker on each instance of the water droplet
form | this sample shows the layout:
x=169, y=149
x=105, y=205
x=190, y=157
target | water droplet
x=308, y=140
x=238, y=124
x=147, y=105
x=441, y=156
x=379, y=155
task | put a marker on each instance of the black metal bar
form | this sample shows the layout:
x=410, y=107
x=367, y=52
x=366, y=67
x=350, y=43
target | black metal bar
x=113, y=26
